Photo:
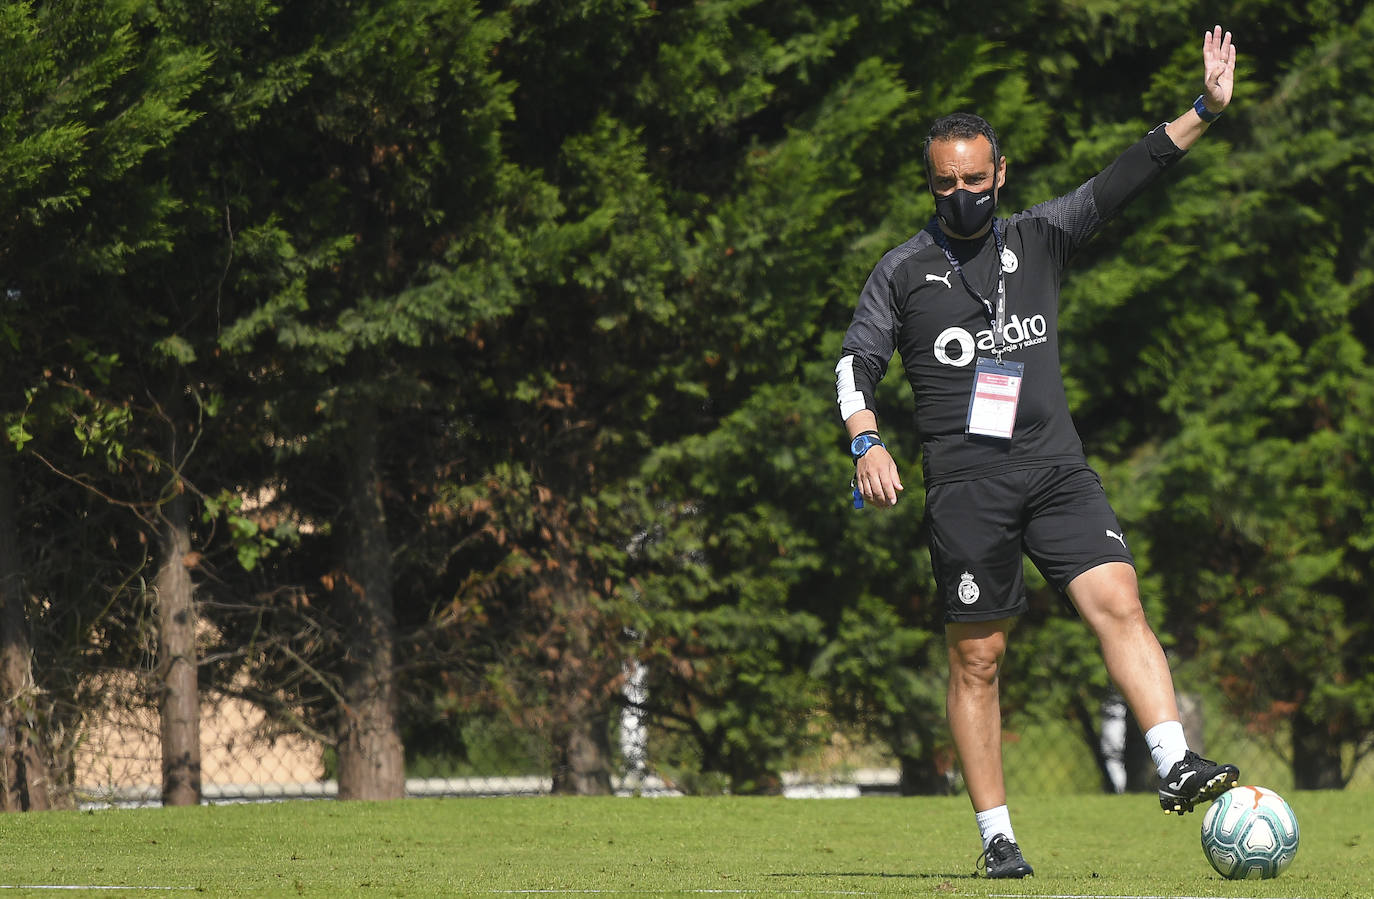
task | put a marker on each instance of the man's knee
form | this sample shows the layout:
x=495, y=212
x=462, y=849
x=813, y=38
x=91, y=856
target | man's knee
x=974, y=671
x=975, y=653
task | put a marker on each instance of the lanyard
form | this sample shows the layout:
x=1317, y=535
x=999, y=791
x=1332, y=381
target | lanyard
x=996, y=315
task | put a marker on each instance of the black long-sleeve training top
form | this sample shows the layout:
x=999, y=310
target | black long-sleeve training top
x=915, y=304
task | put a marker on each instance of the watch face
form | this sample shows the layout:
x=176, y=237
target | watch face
x=861, y=444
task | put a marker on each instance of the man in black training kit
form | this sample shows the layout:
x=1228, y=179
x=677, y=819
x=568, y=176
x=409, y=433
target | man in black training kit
x=971, y=302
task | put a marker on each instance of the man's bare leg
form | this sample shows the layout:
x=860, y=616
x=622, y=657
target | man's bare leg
x=974, y=708
x=975, y=719
x=1108, y=598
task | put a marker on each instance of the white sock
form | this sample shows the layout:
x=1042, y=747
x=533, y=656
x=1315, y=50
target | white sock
x=994, y=821
x=1167, y=745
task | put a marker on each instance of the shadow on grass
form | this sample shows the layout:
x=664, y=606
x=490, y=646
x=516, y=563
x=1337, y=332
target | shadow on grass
x=877, y=874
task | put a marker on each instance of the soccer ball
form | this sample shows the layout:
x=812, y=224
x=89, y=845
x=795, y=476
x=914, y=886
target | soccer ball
x=1250, y=832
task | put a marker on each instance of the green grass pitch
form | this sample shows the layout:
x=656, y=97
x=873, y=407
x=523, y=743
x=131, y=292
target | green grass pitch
x=1098, y=846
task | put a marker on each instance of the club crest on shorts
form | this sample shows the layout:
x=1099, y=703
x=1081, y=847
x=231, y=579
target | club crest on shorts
x=968, y=590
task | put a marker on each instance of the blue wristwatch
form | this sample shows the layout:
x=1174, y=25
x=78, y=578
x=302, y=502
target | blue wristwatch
x=1202, y=111
x=863, y=443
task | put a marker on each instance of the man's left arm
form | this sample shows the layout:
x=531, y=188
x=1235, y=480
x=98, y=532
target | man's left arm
x=1218, y=81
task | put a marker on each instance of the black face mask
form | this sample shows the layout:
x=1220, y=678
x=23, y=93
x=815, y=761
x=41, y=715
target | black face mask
x=964, y=212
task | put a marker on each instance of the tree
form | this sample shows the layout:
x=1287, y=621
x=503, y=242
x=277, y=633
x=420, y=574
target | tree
x=333, y=179
x=89, y=104
x=448, y=353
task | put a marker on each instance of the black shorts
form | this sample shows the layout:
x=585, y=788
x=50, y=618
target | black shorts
x=1059, y=517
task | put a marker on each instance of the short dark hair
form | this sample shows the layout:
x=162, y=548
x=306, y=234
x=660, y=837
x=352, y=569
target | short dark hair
x=961, y=126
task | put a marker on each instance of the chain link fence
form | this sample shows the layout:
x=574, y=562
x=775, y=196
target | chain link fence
x=117, y=761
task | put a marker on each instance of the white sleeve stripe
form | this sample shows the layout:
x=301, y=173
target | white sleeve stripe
x=848, y=395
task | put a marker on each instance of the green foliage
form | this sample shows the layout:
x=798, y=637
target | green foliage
x=587, y=265
x=1268, y=465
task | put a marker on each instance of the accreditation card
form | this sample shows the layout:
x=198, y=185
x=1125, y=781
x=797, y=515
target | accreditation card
x=992, y=404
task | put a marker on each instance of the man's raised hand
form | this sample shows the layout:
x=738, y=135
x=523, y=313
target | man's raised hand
x=1219, y=68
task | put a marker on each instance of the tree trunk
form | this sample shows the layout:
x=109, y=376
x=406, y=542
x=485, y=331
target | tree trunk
x=923, y=775
x=583, y=766
x=27, y=782
x=581, y=711
x=370, y=753
x=1316, y=755
x=1141, y=774
x=1123, y=756
x=179, y=707
x=748, y=779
